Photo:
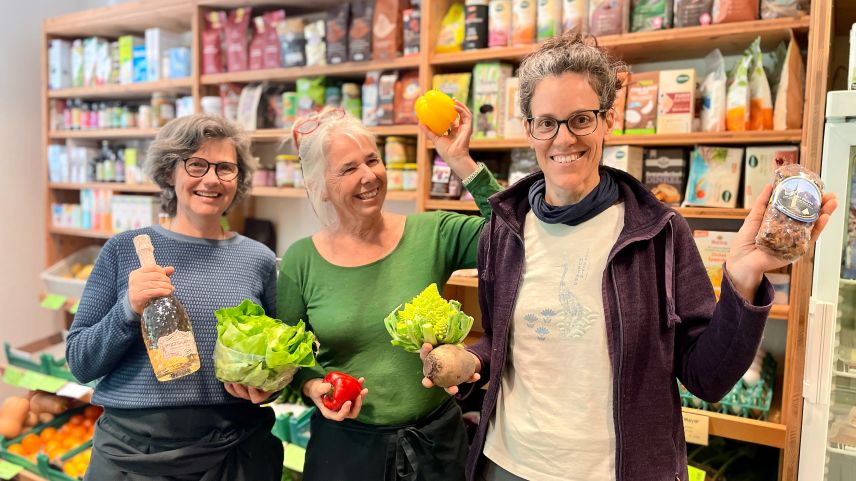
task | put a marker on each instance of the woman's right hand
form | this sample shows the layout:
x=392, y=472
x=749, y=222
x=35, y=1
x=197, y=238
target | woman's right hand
x=147, y=283
x=454, y=148
x=315, y=388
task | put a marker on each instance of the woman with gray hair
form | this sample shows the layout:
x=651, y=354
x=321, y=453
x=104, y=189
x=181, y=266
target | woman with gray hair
x=345, y=279
x=594, y=298
x=193, y=427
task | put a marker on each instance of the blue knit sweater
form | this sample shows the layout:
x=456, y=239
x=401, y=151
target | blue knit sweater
x=105, y=342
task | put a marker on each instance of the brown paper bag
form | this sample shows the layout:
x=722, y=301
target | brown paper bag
x=788, y=110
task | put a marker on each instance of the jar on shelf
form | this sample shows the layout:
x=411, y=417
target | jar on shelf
x=395, y=176
x=411, y=176
x=163, y=109
x=399, y=150
x=298, y=176
x=285, y=170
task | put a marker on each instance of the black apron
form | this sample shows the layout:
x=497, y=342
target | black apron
x=432, y=449
x=220, y=443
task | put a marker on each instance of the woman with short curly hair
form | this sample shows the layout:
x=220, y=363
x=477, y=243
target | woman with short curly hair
x=193, y=427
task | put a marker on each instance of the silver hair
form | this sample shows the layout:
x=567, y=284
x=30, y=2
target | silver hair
x=181, y=138
x=571, y=53
x=313, y=149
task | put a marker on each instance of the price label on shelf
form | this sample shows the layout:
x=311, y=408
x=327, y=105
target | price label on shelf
x=53, y=302
x=9, y=470
x=696, y=428
x=696, y=474
x=32, y=380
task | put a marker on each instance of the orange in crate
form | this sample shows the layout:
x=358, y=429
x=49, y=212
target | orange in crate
x=31, y=443
x=16, y=449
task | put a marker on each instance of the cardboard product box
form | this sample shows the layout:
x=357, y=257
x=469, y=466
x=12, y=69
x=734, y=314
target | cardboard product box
x=675, y=101
x=666, y=174
x=760, y=166
x=488, y=99
x=714, y=178
x=713, y=247
x=139, y=64
x=628, y=158
x=77, y=62
x=158, y=42
x=640, y=111
x=127, y=44
x=92, y=48
x=59, y=64
x=386, y=99
x=514, y=126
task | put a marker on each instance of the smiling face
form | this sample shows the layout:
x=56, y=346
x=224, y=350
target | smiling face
x=570, y=163
x=355, y=177
x=206, y=198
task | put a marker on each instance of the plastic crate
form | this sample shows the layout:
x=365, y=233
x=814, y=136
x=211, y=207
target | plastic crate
x=52, y=471
x=299, y=426
x=282, y=427
x=24, y=462
x=24, y=360
x=56, y=283
x=745, y=401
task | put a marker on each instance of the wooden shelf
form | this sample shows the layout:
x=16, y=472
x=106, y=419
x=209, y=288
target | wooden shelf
x=463, y=281
x=115, y=20
x=712, y=213
x=99, y=134
x=114, y=186
x=347, y=70
x=743, y=429
x=780, y=312
x=89, y=234
x=292, y=193
x=278, y=135
x=124, y=91
x=442, y=204
x=664, y=140
x=676, y=43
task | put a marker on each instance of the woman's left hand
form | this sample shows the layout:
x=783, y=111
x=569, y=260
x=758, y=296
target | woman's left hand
x=746, y=263
x=255, y=396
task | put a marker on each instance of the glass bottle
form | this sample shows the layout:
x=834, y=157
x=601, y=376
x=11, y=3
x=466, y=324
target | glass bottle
x=166, y=328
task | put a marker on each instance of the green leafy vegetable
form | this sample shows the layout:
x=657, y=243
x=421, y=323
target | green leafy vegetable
x=257, y=350
x=428, y=318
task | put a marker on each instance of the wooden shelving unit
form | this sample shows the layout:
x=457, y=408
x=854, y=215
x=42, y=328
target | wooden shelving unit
x=677, y=44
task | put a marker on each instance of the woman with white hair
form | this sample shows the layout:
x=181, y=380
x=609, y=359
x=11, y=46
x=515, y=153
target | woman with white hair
x=194, y=427
x=346, y=278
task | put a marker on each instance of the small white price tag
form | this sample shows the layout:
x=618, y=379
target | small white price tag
x=696, y=428
x=74, y=390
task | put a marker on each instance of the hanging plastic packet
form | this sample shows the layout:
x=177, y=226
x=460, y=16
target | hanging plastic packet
x=793, y=209
x=713, y=93
x=760, y=99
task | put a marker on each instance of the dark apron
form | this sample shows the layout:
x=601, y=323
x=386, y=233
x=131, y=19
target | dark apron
x=432, y=449
x=220, y=443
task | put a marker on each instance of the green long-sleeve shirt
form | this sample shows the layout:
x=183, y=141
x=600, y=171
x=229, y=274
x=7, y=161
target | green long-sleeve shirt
x=345, y=306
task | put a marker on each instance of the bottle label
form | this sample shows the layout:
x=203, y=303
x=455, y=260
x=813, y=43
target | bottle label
x=177, y=344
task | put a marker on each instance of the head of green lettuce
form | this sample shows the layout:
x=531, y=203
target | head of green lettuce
x=257, y=350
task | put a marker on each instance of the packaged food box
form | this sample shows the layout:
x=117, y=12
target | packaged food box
x=666, y=174
x=761, y=163
x=714, y=178
x=628, y=158
x=713, y=247
x=640, y=111
x=488, y=95
x=675, y=101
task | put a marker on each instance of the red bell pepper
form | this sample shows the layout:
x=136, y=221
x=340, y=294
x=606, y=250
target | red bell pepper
x=343, y=388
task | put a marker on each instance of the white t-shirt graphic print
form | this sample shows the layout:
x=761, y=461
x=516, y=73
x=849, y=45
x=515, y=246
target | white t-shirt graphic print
x=554, y=419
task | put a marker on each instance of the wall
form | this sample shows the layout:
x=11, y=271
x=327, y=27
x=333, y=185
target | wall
x=22, y=199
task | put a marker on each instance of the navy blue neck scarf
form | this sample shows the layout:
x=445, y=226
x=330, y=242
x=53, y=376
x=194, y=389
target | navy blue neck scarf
x=597, y=201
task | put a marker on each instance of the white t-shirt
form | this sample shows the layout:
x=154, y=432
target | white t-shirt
x=554, y=418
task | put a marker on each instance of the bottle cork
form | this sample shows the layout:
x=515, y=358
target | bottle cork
x=145, y=251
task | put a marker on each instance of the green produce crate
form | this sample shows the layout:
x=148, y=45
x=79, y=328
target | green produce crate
x=24, y=462
x=745, y=401
x=300, y=428
x=282, y=427
x=53, y=471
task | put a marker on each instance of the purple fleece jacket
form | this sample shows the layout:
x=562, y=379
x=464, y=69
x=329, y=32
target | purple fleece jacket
x=662, y=323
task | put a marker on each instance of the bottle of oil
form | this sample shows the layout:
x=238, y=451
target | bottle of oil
x=166, y=328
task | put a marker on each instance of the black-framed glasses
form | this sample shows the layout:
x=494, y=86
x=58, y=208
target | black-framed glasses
x=198, y=167
x=580, y=124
